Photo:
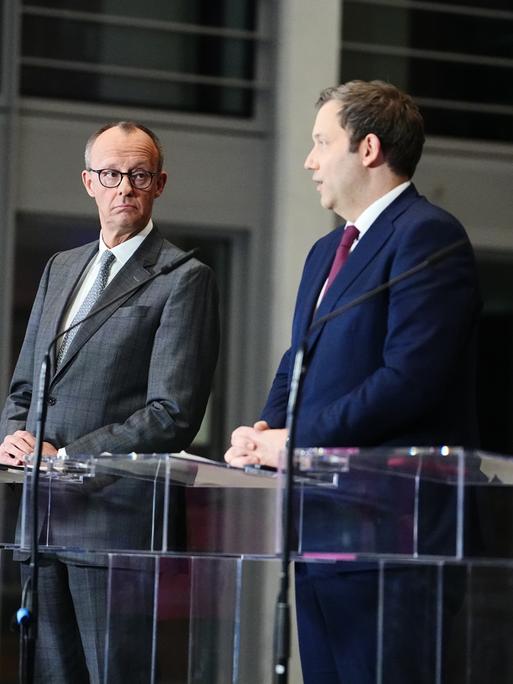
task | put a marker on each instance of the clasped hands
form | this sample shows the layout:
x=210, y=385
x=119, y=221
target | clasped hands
x=20, y=444
x=257, y=445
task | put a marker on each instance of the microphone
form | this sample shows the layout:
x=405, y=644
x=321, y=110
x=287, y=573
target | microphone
x=27, y=614
x=282, y=611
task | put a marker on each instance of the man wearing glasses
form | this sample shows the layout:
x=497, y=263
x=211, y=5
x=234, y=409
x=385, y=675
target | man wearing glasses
x=134, y=378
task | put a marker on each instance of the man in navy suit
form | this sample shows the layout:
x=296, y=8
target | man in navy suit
x=396, y=370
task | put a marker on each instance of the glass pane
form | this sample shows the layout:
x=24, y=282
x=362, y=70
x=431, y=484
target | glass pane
x=410, y=606
x=238, y=14
x=130, y=609
x=428, y=30
x=10, y=499
x=483, y=627
x=444, y=32
x=138, y=48
x=477, y=125
x=215, y=619
x=444, y=81
x=184, y=97
x=481, y=4
x=428, y=78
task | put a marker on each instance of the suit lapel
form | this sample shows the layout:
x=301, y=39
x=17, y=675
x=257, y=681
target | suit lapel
x=358, y=260
x=137, y=270
x=58, y=296
x=361, y=257
x=319, y=269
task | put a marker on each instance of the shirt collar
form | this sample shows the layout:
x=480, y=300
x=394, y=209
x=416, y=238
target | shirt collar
x=367, y=217
x=126, y=249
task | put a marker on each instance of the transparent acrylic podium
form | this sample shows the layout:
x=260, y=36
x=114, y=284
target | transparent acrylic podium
x=187, y=546
x=179, y=540
x=435, y=528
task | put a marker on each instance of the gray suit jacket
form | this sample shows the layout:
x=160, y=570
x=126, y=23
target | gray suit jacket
x=138, y=375
x=136, y=378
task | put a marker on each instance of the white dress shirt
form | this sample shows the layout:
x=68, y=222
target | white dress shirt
x=122, y=254
x=367, y=218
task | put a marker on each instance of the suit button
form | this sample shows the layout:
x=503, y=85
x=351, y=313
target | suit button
x=52, y=401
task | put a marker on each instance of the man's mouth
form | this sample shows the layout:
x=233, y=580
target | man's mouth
x=124, y=206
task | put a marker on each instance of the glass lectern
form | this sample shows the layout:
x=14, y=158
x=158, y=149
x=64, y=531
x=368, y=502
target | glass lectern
x=189, y=546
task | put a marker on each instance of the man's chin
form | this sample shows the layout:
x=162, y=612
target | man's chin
x=326, y=203
x=121, y=231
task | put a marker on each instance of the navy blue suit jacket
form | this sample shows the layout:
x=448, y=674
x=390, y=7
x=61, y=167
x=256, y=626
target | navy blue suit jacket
x=398, y=369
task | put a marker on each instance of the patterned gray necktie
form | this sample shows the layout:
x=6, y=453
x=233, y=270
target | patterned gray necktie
x=92, y=296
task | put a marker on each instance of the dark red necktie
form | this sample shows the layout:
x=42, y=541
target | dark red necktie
x=349, y=235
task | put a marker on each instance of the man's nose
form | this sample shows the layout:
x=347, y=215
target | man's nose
x=125, y=187
x=310, y=161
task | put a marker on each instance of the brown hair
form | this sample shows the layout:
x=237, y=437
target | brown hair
x=127, y=127
x=380, y=108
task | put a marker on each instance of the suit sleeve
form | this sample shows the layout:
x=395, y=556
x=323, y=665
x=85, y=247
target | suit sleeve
x=275, y=409
x=180, y=372
x=16, y=408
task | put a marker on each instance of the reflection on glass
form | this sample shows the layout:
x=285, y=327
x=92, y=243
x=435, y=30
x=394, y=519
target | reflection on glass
x=458, y=53
x=435, y=79
x=237, y=14
x=427, y=30
x=448, y=81
x=182, y=97
x=475, y=125
x=80, y=41
x=79, y=46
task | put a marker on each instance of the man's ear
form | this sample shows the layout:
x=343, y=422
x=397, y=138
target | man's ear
x=88, y=183
x=161, y=182
x=370, y=150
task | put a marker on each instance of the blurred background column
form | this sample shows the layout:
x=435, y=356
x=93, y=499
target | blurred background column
x=9, y=32
x=308, y=57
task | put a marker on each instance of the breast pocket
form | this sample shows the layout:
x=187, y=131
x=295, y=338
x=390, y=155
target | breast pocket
x=131, y=312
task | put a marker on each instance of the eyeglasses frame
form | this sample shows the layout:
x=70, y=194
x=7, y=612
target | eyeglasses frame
x=128, y=174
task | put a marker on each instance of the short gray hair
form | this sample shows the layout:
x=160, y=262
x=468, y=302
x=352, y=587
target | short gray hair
x=127, y=127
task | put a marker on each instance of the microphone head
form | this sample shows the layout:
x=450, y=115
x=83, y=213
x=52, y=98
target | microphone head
x=181, y=260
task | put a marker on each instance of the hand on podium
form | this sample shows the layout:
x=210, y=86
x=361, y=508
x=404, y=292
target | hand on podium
x=257, y=445
x=17, y=446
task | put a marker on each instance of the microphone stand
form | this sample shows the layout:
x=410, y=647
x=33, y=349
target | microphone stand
x=282, y=609
x=27, y=614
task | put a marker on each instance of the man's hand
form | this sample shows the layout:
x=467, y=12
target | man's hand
x=17, y=446
x=48, y=449
x=259, y=444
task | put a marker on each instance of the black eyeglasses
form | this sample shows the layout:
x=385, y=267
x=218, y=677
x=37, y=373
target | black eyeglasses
x=111, y=178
